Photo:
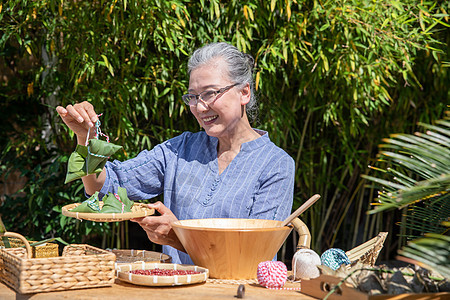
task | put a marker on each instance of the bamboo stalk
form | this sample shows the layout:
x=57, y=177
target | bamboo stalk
x=372, y=223
x=127, y=237
x=283, y=252
x=111, y=242
x=302, y=138
x=403, y=229
x=367, y=216
x=104, y=240
x=117, y=225
x=344, y=214
x=358, y=215
x=330, y=206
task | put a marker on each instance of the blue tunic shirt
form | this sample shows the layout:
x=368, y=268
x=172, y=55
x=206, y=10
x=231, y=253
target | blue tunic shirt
x=257, y=184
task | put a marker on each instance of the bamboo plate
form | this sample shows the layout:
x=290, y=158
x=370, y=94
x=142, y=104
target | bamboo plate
x=130, y=256
x=137, y=211
x=151, y=280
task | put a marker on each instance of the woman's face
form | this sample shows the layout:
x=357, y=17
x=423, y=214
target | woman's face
x=220, y=118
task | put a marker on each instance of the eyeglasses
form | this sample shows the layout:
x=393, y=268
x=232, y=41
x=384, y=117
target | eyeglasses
x=207, y=97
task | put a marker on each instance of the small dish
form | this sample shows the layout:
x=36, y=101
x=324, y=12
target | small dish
x=124, y=274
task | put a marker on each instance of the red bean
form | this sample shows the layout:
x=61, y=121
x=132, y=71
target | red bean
x=164, y=272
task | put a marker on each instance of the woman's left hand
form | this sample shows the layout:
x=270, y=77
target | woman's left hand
x=158, y=228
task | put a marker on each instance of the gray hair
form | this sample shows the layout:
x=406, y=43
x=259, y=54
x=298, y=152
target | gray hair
x=240, y=68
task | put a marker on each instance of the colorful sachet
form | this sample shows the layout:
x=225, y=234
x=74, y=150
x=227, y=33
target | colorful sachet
x=112, y=203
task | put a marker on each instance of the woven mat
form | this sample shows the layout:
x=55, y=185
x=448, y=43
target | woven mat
x=289, y=282
x=232, y=281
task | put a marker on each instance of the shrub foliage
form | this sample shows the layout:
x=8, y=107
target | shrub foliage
x=332, y=78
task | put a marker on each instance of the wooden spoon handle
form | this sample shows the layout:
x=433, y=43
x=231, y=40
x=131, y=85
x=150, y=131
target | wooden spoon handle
x=301, y=209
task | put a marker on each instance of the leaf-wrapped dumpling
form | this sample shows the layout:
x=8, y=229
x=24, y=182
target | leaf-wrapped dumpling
x=89, y=159
x=91, y=205
x=117, y=203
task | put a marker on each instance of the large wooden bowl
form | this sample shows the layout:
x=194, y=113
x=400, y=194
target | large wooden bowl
x=232, y=248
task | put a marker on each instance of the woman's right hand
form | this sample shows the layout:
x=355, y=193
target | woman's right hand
x=158, y=228
x=79, y=118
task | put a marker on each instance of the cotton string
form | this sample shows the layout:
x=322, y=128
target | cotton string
x=118, y=198
x=98, y=132
x=334, y=258
x=93, y=204
x=273, y=275
x=305, y=264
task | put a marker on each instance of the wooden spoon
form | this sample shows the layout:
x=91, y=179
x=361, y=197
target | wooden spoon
x=300, y=210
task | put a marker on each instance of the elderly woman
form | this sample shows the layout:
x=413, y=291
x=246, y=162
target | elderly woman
x=229, y=170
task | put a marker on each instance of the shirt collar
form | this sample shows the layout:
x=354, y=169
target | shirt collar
x=259, y=142
x=247, y=146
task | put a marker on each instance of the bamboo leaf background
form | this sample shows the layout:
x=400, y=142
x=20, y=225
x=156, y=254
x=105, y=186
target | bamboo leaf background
x=333, y=78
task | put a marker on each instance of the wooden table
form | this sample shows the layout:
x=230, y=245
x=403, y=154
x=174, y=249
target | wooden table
x=122, y=290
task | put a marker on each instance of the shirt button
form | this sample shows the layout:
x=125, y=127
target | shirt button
x=205, y=202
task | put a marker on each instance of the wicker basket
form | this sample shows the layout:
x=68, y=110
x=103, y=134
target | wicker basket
x=80, y=266
x=132, y=256
x=367, y=253
x=43, y=250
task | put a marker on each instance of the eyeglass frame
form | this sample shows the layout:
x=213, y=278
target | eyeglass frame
x=198, y=97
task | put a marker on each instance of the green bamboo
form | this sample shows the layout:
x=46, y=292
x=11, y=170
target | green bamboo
x=350, y=73
x=328, y=212
x=344, y=213
x=359, y=210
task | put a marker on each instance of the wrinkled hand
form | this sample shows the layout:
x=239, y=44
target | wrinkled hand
x=158, y=228
x=79, y=118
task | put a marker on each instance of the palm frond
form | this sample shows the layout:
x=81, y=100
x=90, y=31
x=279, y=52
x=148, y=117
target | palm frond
x=430, y=154
x=420, y=166
x=422, y=139
x=428, y=217
x=417, y=167
x=442, y=133
x=398, y=196
x=416, y=176
x=431, y=252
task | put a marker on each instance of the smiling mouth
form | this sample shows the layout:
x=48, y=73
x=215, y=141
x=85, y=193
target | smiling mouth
x=209, y=119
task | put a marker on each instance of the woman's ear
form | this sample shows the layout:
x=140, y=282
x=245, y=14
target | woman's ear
x=246, y=94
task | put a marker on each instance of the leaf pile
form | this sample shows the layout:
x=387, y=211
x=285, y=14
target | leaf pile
x=380, y=280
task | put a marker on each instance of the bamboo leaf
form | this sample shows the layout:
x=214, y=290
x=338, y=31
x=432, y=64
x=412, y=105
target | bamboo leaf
x=324, y=27
x=325, y=62
x=216, y=9
x=440, y=22
x=288, y=9
x=108, y=65
x=250, y=13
